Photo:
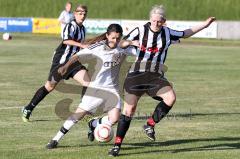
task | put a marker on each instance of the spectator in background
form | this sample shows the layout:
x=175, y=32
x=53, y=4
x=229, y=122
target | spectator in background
x=66, y=16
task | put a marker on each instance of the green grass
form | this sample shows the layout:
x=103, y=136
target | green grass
x=107, y=9
x=204, y=122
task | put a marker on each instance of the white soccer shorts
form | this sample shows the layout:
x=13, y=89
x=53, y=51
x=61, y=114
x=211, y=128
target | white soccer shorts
x=101, y=100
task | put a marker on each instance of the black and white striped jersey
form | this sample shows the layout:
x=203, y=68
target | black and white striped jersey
x=153, y=47
x=72, y=31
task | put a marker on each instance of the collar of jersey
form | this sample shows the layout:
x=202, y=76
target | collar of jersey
x=148, y=24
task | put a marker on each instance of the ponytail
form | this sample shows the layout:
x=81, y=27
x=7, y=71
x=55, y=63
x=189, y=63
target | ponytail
x=96, y=39
x=111, y=28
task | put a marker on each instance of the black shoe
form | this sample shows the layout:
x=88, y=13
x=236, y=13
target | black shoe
x=91, y=130
x=26, y=114
x=149, y=130
x=52, y=144
x=114, y=151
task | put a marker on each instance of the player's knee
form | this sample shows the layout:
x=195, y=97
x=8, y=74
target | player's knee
x=173, y=98
x=50, y=86
x=129, y=110
x=114, y=121
x=170, y=99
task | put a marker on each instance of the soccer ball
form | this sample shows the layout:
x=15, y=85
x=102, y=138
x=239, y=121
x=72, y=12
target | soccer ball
x=7, y=36
x=103, y=133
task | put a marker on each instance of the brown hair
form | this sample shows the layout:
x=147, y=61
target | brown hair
x=84, y=7
x=68, y=2
x=111, y=28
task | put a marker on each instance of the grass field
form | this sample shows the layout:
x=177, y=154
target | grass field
x=126, y=9
x=203, y=124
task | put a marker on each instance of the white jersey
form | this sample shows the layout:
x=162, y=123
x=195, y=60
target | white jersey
x=108, y=64
x=66, y=17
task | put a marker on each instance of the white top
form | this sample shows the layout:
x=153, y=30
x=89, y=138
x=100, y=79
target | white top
x=66, y=17
x=108, y=64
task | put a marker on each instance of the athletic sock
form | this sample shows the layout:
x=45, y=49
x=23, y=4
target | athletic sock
x=122, y=128
x=38, y=97
x=102, y=120
x=159, y=113
x=105, y=120
x=65, y=128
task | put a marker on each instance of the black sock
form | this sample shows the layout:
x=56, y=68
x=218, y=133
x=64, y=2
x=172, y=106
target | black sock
x=38, y=97
x=122, y=128
x=160, y=112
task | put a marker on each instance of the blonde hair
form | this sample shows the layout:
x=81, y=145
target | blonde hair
x=158, y=9
x=111, y=28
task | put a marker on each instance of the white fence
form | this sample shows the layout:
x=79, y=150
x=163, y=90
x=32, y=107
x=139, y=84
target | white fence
x=217, y=30
x=95, y=26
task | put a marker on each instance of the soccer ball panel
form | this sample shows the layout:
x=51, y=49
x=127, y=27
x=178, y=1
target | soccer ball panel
x=103, y=133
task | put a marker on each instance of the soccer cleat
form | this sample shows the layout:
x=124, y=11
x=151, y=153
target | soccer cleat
x=52, y=144
x=91, y=130
x=149, y=130
x=114, y=151
x=26, y=114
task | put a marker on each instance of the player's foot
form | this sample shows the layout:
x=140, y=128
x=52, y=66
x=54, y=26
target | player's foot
x=26, y=114
x=114, y=151
x=91, y=130
x=149, y=130
x=52, y=144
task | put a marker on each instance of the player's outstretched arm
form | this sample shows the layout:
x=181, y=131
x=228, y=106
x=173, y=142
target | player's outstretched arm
x=195, y=29
x=63, y=69
x=74, y=43
x=125, y=43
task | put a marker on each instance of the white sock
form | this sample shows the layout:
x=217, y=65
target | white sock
x=58, y=136
x=95, y=123
x=64, y=129
x=106, y=121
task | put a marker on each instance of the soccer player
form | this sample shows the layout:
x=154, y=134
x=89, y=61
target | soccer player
x=73, y=38
x=66, y=16
x=103, y=90
x=147, y=74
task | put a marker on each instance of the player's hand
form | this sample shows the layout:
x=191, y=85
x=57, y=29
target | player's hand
x=84, y=46
x=62, y=70
x=209, y=21
x=135, y=43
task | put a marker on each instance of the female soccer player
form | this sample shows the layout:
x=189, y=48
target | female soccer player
x=103, y=89
x=73, y=37
x=66, y=16
x=147, y=75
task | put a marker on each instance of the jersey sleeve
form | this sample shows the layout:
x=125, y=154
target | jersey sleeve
x=84, y=52
x=133, y=35
x=175, y=35
x=68, y=32
x=61, y=16
x=131, y=51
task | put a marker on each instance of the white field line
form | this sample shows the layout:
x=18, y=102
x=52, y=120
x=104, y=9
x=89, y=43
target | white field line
x=182, y=99
x=20, y=107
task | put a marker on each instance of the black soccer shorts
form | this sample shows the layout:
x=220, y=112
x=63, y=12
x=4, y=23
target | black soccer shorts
x=138, y=83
